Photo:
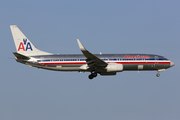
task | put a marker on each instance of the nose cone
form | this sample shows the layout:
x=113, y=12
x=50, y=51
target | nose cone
x=172, y=64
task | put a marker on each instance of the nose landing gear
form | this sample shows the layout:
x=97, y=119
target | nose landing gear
x=157, y=74
x=160, y=70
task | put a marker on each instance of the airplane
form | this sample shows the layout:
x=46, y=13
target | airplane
x=103, y=64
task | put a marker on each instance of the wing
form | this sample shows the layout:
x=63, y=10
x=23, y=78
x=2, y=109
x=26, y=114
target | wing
x=92, y=61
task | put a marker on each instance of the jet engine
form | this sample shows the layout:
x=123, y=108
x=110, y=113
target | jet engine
x=114, y=67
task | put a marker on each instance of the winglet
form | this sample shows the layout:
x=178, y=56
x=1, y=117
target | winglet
x=80, y=45
x=90, y=57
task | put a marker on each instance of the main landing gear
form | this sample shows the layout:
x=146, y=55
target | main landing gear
x=92, y=75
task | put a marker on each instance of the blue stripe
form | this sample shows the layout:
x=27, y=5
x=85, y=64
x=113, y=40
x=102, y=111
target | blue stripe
x=48, y=60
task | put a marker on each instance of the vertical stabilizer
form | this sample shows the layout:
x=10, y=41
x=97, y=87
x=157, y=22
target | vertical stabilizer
x=23, y=44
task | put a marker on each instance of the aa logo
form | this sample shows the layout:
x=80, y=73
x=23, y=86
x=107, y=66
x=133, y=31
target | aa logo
x=25, y=45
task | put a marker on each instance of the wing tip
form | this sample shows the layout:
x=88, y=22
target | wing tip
x=80, y=45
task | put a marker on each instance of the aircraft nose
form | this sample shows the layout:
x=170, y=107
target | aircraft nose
x=172, y=64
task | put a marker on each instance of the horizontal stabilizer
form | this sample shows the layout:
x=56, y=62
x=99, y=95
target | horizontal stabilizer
x=19, y=56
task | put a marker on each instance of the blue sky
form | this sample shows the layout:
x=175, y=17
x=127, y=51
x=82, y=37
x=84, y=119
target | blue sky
x=102, y=26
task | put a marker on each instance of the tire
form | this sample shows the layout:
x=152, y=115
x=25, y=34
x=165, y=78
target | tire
x=157, y=74
x=94, y=74
x=90, y=76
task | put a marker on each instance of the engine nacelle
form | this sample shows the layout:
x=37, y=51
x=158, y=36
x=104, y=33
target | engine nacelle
x=114, y=67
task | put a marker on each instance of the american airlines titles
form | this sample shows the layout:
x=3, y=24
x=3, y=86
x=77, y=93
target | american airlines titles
x=136, y=56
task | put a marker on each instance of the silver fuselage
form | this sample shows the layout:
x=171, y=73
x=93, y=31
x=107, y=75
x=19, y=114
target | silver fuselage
x=74, y=62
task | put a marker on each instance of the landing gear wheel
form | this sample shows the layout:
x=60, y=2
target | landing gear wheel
x=90, y=76
x=157, y=74
x=94, y=74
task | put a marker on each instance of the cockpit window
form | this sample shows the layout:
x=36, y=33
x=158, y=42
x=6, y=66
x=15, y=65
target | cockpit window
x=165, y=58
x=160, y=58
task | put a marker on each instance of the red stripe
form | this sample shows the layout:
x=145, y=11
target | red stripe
x=70, y=63
x=141, y=62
